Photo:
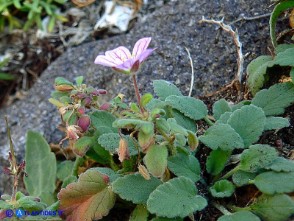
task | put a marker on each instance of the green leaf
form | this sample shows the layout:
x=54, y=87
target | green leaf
x=166, y=219
x=241, y=178
x=40, y=167
x=283, y=47
x=257, y=157
x=79, y=80
x=6, y=77
x=110, y=142
x=224, y=118
x=222, y=136
x=82, y=145
x=240, y=104
x=276, y=123
x=189, y=106
x=284, y=58
x=64, y=169
x=88, y=199
x=108, y=172
x=273, y=208
x=62, y=81
x=274, y=100
x=219, y=107
x=185, y=165
x=256, y=71
x=68, y=180
x=175, y=127
x=156, y=160
x=29, y=203
x=184, y=121
x=281, y=164
x=248, y=122
x=292, y=74
x=239, y=216
x=102, y=118
x=222, y=188
x=192, y=141
x=175, y=198
x=279, y=8
x=217, y=160
x=5, y=205
x=162, y=125
x=274, y=182
x=135, y=188
x=140, y=213
x=145, y=99
x=163, y=89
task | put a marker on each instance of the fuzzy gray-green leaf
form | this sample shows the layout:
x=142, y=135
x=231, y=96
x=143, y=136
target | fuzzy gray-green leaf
x=273, y=208
x=219, y=107
x=222, y=136
x=216, y=161
x=248, y=122
x=189, y=106
x=239, y=216
x=185, y=165
x=274, y=100
x=135, y=188
x=222, y=188
x=281, y=164
x=163, y=89
x=175, y=198
x=257, y=157
x=274, y=182
x=40, y=167
x=256, y=71
x=241, y=178
x=275, y=123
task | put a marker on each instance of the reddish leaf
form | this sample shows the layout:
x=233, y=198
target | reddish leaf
x=90, y=198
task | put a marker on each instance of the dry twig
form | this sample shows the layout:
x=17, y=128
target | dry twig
x=234, y=34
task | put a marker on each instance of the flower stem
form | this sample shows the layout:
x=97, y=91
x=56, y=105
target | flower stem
x=208, y=121
x=230, y=173
x=78, y=162
x=13, y=163
x=137, y=92
x=221, y=208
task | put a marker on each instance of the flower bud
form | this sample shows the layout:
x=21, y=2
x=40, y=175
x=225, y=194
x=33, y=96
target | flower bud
x=63, y=87
x=105, y=106
x=144, y=172
x=84, y=122
x=123, y=150
x=62, y=110
x=73, y=132
x=81, y=110
x=87, y=101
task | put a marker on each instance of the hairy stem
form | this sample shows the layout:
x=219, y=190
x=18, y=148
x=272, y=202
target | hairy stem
x=137, y=92
x=13, y=163
x=208, y=121
x=78, y=162
x=230, y=173
x=221, y=208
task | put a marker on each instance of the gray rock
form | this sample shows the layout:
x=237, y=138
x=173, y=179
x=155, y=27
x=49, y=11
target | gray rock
x=172, y=28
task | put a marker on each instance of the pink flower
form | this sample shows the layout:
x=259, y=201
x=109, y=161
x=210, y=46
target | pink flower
x=121, y=59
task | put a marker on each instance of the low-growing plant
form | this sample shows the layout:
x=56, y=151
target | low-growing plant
x=259, y=69
x=11, y=12
x=143, y=155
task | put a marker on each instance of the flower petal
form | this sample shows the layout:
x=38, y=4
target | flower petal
x=140, y=46
x=126, y=66
x=106, y=61
x=143, y=56
x=121, y=53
